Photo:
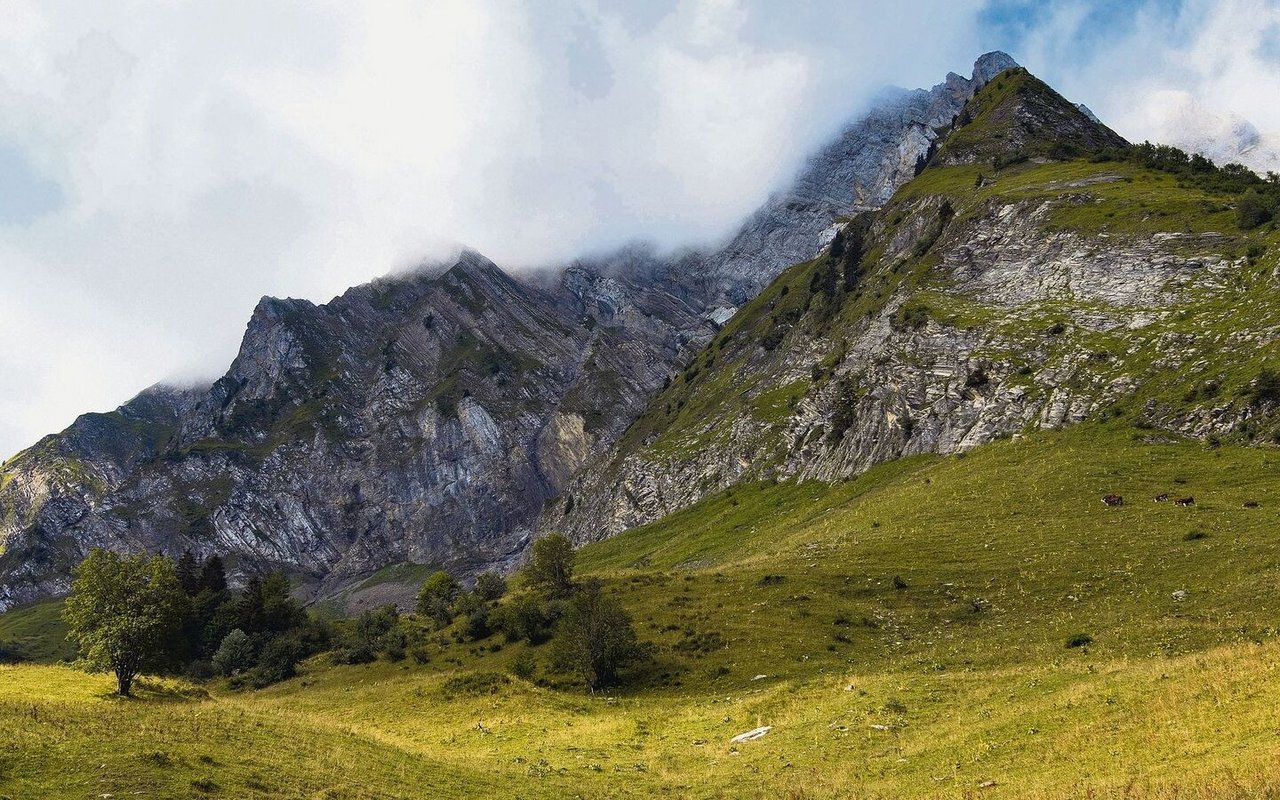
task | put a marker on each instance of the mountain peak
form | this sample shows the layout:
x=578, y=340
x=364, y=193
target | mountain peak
x=992, y=64
x=472, y=262
x=1016, y=117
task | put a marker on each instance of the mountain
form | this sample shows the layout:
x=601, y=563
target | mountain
x=1026, y=280
x=423, y=418
x=966, y=263
x=860, y=169
x=426, y=418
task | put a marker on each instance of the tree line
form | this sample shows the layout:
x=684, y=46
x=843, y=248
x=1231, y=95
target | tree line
x=587, y=633
x=137, y=614
x=1257, y=196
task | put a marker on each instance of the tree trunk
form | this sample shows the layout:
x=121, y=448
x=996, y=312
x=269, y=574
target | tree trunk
x=124, y=683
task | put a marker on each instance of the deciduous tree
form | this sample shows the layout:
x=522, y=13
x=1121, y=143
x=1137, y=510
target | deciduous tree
x=125, y=612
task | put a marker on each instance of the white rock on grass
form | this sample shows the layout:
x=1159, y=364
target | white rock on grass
x=750, y=735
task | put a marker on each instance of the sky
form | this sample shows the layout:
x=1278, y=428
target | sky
x=165, y=164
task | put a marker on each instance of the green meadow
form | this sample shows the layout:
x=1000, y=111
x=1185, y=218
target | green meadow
x=966, y=626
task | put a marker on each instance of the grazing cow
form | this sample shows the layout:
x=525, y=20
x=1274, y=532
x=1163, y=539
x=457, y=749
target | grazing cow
x=1250, y=503
x=1163, y=497
x=1186, y=501
x=1113, y=500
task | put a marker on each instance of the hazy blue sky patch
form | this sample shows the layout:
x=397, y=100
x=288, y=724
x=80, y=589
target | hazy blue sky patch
x=1097, y=24
x=1269, y=47
x=25, y=194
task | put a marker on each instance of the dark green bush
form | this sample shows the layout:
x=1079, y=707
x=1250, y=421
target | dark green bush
x=1266, y=387
x=595, y=638
x=1254, y=208
x=475, y=684
x=694, y=642
x=525, y=617
x=524, y=665
x=277, y=662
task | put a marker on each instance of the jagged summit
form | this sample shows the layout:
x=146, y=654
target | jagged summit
x=472, y=262
x=860, y=169
x=1016, y=116
x=992, y=64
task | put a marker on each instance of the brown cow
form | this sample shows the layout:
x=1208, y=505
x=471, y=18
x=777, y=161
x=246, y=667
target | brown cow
x=1113, y=500
x=1186, y=501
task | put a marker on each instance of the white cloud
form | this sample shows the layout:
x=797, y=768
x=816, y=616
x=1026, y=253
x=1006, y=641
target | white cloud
x=1202, y=77
x=211, y=153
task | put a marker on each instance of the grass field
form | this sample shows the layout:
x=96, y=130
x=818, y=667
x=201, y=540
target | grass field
x=957, y=676
x=37, y=632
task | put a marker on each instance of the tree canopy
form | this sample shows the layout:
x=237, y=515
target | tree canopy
x=435, y=599
x=550, y=567
x=125, y=612
x=595, y=638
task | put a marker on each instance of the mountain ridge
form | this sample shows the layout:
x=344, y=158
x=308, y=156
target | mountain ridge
x=1002, y=291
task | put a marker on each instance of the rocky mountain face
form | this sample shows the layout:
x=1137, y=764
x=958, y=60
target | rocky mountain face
x=426, y=418
x=1025, y=280
x=859, y=170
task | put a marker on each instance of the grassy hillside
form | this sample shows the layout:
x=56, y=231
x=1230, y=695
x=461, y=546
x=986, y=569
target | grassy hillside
x=777, y=605
x=37, y=633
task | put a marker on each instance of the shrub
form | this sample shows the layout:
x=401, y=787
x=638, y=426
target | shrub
x=420, y=655
x=357, y=654
x=595, y=638
x=491, y=585
x=909, y=316
x=550, y=567
x=435, y=598
x=977, y=378
x=374, y=631
x=235, y=654
x=9, y=653
x=1254, y=209
x=477, y=625
x=695, y=643
x=277, y=662
x=392, y=645
x=523, y=665
x=1266, y=388
x=524, y=617
x=475, y=684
